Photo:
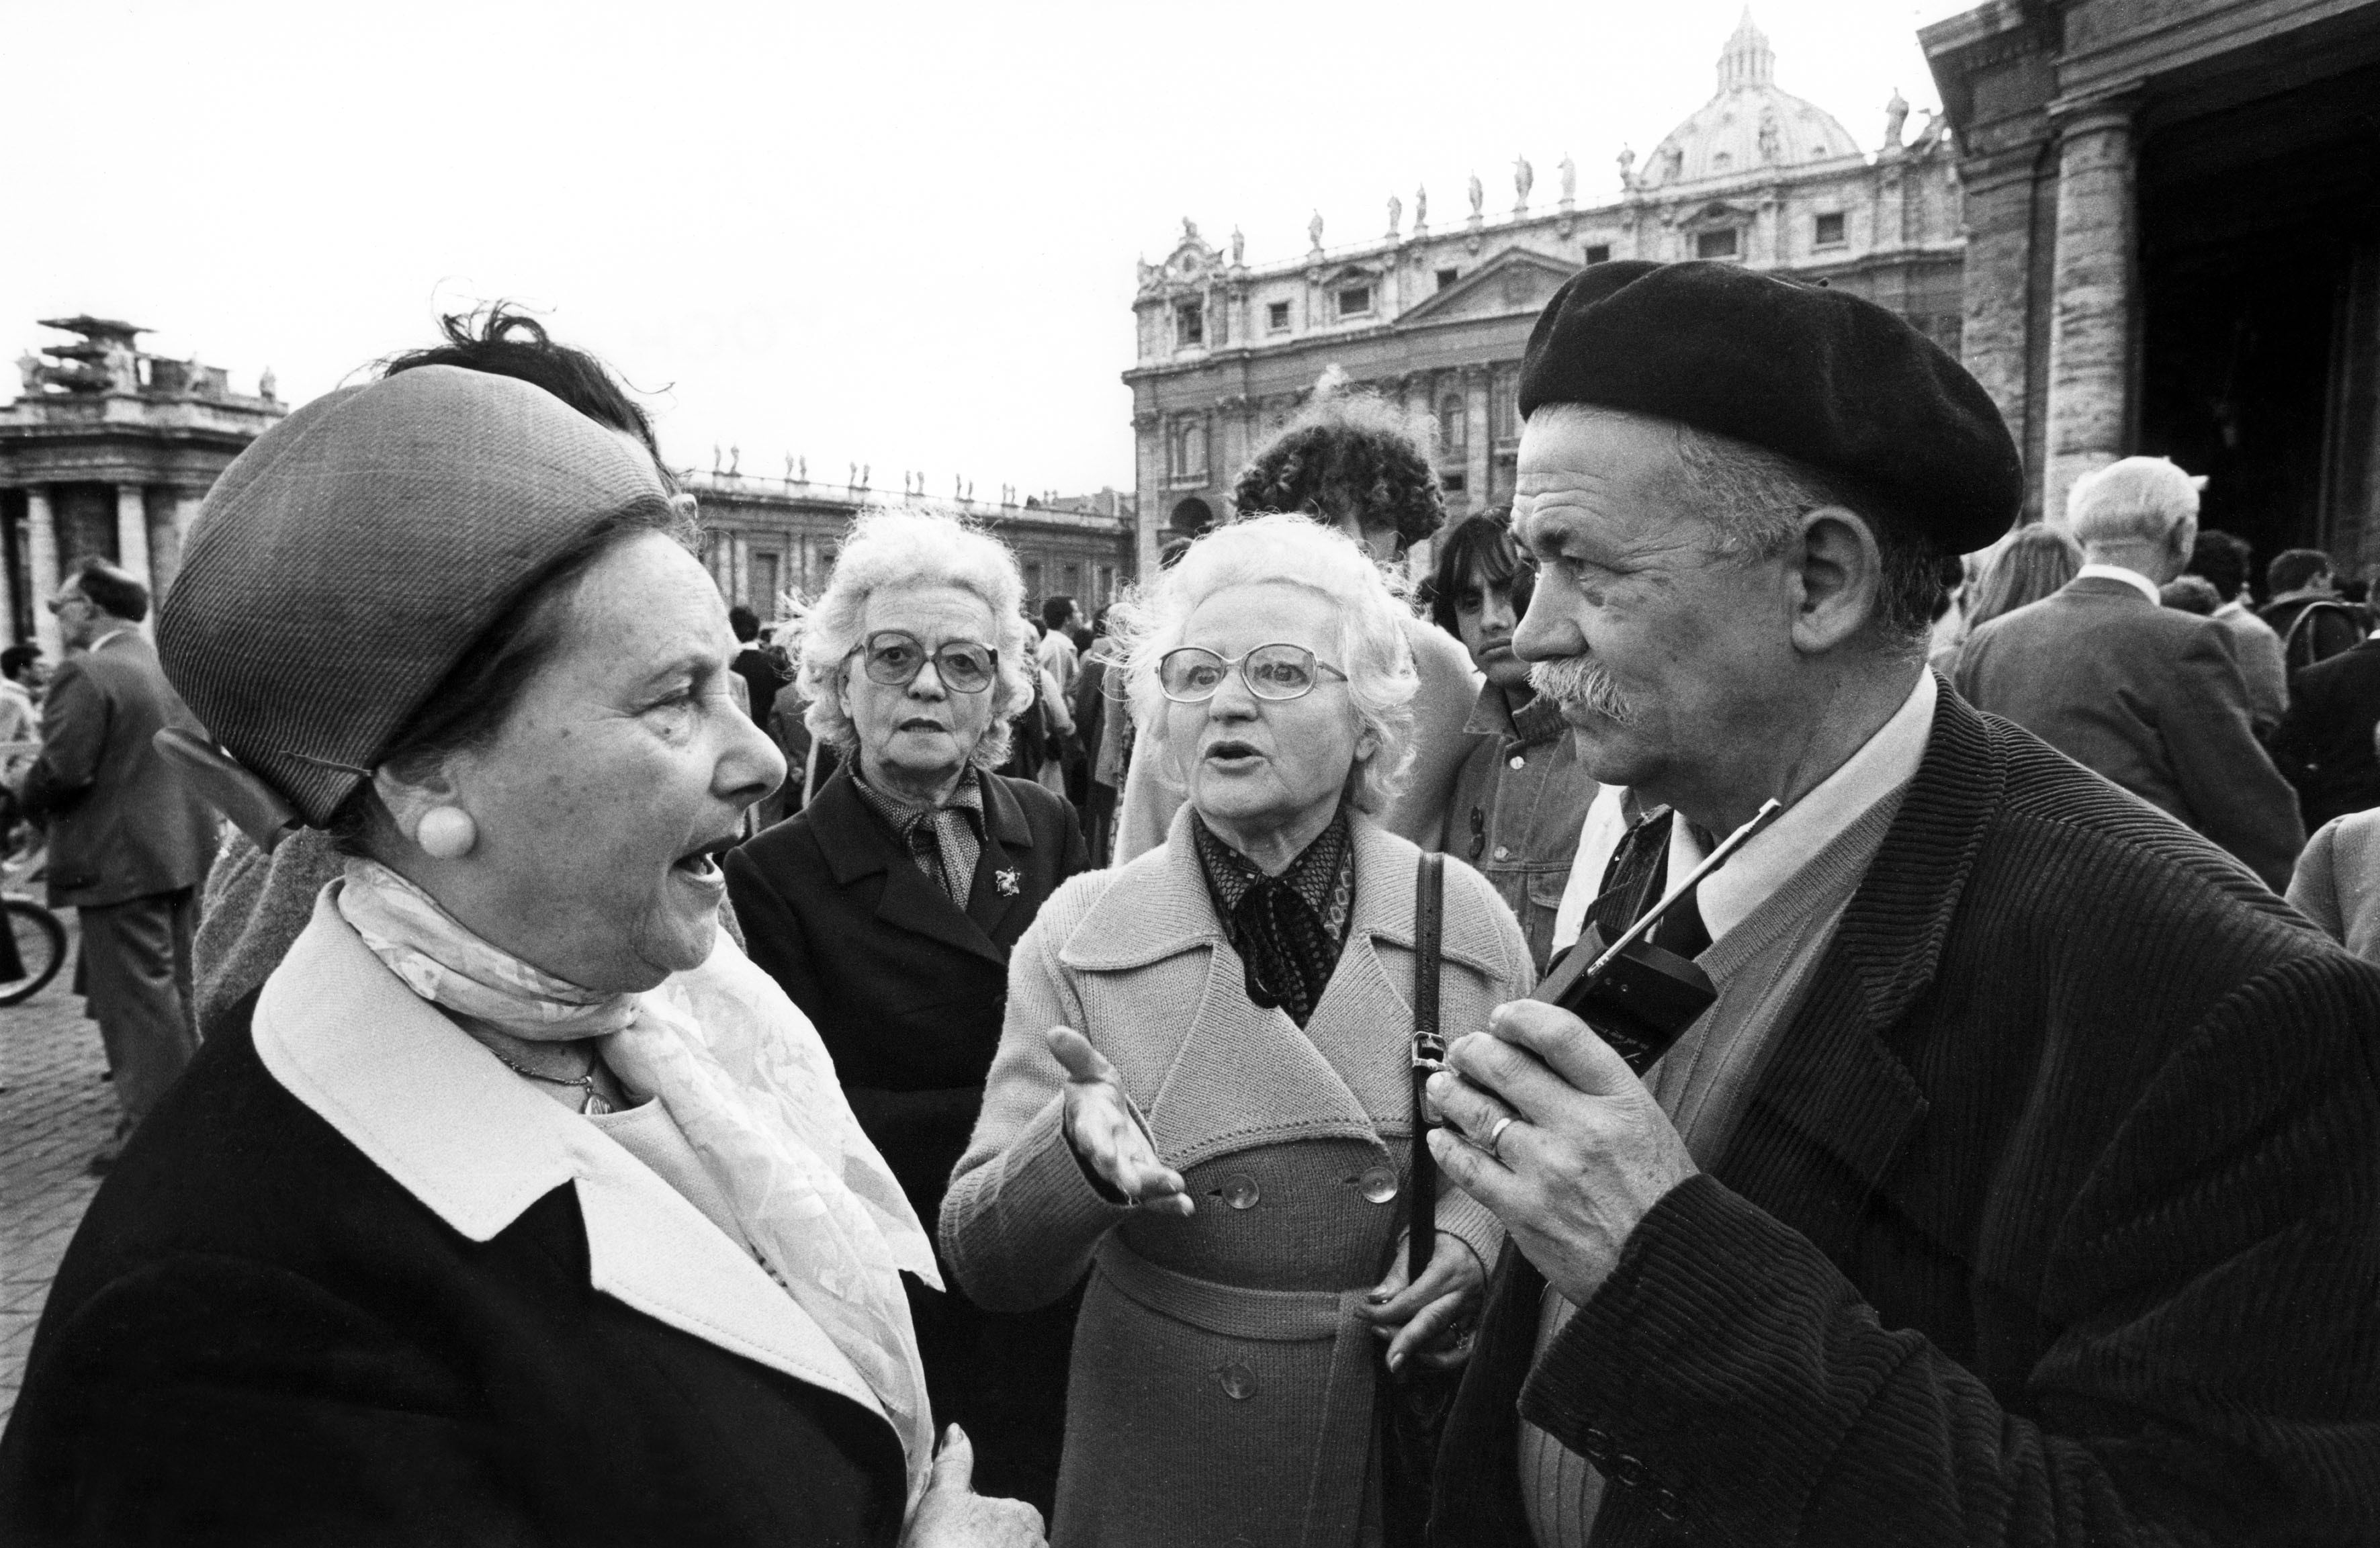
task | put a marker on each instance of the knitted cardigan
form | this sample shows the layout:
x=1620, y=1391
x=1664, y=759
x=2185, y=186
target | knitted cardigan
x=2050, y=1220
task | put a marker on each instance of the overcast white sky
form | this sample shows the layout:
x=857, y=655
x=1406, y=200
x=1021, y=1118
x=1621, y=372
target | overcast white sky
x=901, y=234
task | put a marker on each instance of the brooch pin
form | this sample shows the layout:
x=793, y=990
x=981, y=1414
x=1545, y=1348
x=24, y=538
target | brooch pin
x=1007, y=883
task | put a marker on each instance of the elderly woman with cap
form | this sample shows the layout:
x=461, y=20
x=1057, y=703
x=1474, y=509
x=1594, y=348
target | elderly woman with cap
x=525, y=1208
x=1203, y=1090
x=888, y=906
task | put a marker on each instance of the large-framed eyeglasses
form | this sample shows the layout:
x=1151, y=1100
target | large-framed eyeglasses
x=894, y=658
x=1193, y=674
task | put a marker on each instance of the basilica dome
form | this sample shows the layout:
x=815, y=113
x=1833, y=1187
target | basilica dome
x=1749, y=124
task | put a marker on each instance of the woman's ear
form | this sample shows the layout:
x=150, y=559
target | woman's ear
x=427, y=811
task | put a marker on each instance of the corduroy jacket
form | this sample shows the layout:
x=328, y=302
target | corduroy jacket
x=2054, y=1218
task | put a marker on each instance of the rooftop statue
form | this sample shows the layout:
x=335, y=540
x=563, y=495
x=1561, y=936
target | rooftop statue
x=1313, y=231
x=1478, y=196
x=1524, y=177
x=1421, y=209
x=1896, y=114
x=1568, y=179
x=1396, y=214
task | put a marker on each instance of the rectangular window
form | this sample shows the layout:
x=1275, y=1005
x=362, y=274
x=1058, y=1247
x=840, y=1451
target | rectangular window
x=1715, y=243
x=1190, y=324
x=1829, y=232
x=764, y=585
x=1107, y=583
x=1599, y=252
x=1504, y=406
x=1074, y=581
x=1355, y=300
x=1033, y=584
x=1451, y=482
x=1277, y=317
x=1453, y=428
x=1447, y=276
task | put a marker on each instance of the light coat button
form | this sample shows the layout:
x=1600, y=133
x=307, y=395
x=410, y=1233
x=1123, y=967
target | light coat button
x=1239, y=1383
x=1519, y=761
x=1379, y=1184
x=1503, y=851
x=1240, y=1191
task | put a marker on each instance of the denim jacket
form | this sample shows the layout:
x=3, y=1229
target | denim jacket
x=1519, y=800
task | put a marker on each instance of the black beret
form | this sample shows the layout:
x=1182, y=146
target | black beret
x=1822, y=376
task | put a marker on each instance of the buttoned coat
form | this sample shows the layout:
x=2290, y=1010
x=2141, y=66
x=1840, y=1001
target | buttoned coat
x=2050, y=1219
x=354, y=1282
x=2150, y=697
x=1222, y=1383
x=907, y=989
x=124, y=823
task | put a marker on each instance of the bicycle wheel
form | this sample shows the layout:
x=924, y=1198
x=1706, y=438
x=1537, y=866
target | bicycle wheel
x=40, y=942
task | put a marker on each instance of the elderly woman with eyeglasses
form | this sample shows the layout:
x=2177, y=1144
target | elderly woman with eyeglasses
x=1203, y=1090
x=888, y=906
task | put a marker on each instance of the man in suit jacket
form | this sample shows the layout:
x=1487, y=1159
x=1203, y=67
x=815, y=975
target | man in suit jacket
x=129, y=841
x=2149, y=696
x=2018, y=1188
x=2325, y=742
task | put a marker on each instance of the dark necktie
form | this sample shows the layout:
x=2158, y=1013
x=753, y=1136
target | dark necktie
x=1634, y=881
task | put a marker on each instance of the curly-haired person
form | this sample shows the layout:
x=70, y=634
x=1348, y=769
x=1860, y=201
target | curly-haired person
x=1357, y=464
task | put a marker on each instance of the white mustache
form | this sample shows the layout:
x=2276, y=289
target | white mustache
x=1583, y=681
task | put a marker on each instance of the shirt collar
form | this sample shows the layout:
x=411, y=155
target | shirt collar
x=1887, y=761
x=2133, y=578
x=1312, y=876
x=115, y=634
x=1492, y=715
x=967, y=798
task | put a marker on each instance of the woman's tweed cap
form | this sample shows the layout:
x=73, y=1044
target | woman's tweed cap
x=343, y=565
x=1821, y=376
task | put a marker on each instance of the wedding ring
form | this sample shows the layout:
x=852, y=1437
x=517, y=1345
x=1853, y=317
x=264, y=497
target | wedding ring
x=1495, y=1145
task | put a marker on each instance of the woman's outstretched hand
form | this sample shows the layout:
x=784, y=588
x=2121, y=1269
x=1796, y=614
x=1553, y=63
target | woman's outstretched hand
x=951, y=1514
x=1421, y=1319
x=1106, y=1135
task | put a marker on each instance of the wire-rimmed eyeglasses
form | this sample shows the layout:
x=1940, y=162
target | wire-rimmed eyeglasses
x=1193, y=674
x=895, y=657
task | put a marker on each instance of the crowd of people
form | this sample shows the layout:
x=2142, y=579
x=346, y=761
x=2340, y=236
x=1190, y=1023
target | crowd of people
x=941, y=1070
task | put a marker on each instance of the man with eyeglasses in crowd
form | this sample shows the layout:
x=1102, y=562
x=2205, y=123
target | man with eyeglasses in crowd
x=129, y=841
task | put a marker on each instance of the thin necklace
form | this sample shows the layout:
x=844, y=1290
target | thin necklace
x=592, y=1107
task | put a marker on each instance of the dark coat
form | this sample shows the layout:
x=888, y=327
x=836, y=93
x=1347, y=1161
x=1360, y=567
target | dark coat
x=908, y=992
x=2050, y=1220
x=260, y=1334
x=2151, y=697
x=124, y=823
x=2325, y=742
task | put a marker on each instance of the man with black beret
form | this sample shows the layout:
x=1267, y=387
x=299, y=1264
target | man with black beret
x=2019, y=1185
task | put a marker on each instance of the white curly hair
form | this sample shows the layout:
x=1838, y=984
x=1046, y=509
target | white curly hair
x=897, y=551
x=1287, y=550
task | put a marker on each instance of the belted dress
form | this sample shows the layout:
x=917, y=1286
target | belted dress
x=1222, y=1381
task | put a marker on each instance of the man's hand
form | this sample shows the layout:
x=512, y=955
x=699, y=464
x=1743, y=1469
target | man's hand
x=951, y=1514
x=1589, y=1150
x=1106, y=1135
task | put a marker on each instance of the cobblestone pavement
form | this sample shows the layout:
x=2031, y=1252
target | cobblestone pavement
x=54, y=1115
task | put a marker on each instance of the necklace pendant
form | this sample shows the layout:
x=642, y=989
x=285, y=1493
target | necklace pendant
x=596, y=1106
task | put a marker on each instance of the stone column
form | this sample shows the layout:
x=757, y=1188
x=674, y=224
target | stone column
x=132, y=532
x=1995, y=340
x=41, y=559
x=2091, y=325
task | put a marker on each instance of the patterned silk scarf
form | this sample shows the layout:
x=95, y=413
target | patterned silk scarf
x=745, y=1077
x=1288, y=929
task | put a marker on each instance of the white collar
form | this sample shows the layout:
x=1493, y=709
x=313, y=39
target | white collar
x=113, y=635
x=438, y=1113
x=1884, y=763
x=2133, y=578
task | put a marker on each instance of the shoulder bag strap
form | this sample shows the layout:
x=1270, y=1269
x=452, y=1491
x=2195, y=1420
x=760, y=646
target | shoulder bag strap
x=1429, y=1053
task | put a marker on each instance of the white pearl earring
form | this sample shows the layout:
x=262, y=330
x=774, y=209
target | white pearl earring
x=446, y=833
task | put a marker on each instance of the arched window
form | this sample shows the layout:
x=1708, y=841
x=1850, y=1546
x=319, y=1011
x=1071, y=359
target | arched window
x=1191, y=518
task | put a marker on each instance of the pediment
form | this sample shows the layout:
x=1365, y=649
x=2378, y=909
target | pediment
x=1514, y=281
x=1717, y=215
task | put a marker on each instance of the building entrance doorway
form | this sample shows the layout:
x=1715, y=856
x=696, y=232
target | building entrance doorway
x=2260, y=325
